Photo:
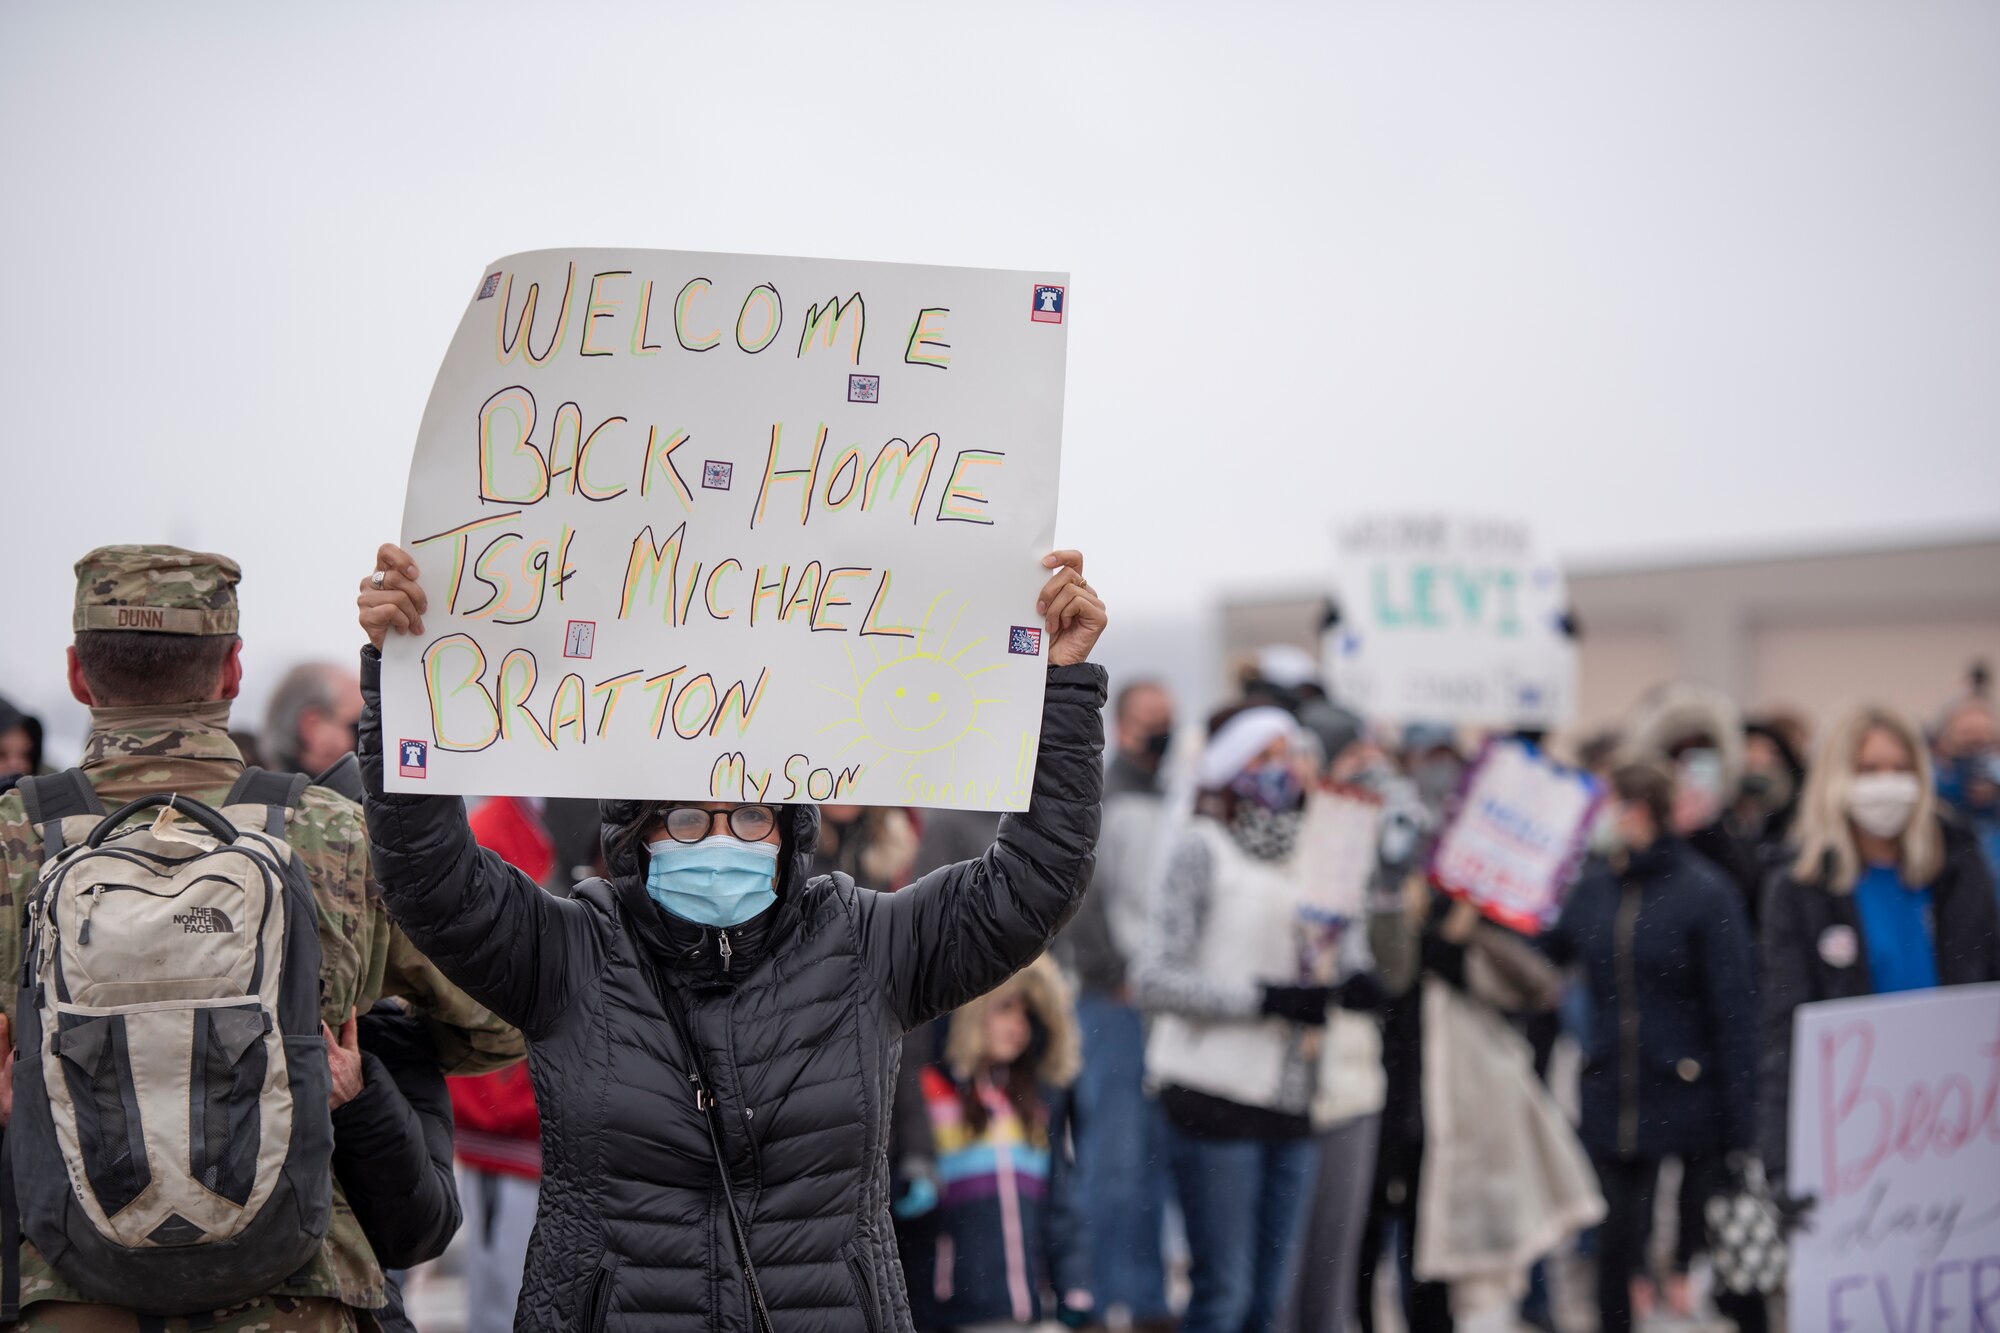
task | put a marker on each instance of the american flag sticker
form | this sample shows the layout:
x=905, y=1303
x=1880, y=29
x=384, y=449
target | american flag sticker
x=1024, y=641
x=490, y=286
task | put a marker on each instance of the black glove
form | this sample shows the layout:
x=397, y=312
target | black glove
x=1443, y=958
x=1794, y=1211
x=1298, y=1004
x=1363, y=992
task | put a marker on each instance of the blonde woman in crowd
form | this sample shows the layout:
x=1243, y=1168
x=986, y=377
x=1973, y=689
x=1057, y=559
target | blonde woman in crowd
x=1888, y=893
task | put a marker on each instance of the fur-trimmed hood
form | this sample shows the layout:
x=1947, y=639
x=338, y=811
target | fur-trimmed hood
x=1053, y=1009
x=1672, y=713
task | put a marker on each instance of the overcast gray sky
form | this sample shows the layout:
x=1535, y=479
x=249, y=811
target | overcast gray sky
x=1669, y=278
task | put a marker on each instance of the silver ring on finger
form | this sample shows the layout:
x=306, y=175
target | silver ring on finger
x=376, y=581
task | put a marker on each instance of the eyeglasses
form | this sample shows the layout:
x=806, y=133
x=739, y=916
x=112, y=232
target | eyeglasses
x=691, y=823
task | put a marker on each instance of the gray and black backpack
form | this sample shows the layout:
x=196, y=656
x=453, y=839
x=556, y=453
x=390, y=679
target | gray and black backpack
x=171, y=1144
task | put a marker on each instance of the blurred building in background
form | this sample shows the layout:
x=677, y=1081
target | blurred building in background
x=1806, y=633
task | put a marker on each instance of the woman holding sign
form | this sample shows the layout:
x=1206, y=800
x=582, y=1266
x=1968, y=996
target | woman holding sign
x=713, y=1034
x=1888, y=893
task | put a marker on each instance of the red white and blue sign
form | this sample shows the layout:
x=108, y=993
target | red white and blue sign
x=1048, y=307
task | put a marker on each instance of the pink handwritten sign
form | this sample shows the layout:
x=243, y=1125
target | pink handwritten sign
x=1895, y=1128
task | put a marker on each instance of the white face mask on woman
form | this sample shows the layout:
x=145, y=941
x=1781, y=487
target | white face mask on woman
x=1880, y=803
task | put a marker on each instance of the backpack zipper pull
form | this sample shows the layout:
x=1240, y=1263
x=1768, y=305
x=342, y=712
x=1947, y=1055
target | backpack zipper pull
x=727, y=949
x=89, y=906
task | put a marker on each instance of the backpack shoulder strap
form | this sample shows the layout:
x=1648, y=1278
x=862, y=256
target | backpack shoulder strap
x=344, y=778
x=54, y=797
x=276, y=792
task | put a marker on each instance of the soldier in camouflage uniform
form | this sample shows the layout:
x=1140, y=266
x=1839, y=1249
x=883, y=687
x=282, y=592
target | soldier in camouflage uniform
x=137, y=749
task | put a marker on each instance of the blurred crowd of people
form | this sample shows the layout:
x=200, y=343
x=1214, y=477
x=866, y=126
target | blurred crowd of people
x=1206, y=1110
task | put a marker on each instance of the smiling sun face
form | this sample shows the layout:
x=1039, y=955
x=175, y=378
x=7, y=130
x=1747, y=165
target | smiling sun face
x=917, y=705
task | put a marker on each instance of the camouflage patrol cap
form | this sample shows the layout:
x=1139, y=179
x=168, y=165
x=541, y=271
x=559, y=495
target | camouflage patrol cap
x=161, y=589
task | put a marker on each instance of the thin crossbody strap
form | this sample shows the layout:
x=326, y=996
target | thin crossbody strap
x=705, y=1102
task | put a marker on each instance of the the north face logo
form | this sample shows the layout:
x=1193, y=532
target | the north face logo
x=205, y=921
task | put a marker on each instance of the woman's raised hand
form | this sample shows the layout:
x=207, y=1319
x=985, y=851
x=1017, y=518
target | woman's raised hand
x=391, y=597
x=1071, y=609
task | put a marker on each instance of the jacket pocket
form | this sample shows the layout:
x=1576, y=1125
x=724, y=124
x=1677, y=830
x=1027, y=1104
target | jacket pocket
x=111, y=1138
x=864, y=1291
x=597, y=1296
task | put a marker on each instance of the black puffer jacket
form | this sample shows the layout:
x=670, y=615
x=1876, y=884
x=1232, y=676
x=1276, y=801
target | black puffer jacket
x=1665, y=952
x=1813, y=947
x=800, y=1024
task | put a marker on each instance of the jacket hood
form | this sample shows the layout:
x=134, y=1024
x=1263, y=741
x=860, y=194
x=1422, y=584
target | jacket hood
x=1049, y=1001
x=1680, y=711
x=1781, y=819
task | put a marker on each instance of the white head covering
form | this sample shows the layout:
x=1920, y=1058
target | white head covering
x=1287, y=666
x=1241, y=740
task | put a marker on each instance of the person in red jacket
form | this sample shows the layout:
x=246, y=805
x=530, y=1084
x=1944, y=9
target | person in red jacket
x=499, y=1131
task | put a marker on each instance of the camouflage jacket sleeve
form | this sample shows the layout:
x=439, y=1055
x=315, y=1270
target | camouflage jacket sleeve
x=20, y=863
x=470, y=1038
x=365, y=956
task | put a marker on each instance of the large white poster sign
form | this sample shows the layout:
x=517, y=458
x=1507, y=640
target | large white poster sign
x=1445, y=618
x=1516, y=836
x=1337, y=851
x=733, y=527
x=1895, y=1128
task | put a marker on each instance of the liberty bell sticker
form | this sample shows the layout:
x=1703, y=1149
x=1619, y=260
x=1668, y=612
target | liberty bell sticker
x=413, y=758
x=1048, y=307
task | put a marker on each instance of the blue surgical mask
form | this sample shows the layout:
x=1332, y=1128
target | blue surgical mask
x=718, y=881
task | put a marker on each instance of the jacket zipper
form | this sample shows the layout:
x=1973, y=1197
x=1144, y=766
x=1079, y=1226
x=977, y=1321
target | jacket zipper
x=725, y=948
x=1628, y=1024
x=863, y=1289
x=89, y=906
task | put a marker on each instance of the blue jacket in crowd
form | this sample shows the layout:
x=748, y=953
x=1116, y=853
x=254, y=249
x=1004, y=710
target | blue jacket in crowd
x=1665, y=951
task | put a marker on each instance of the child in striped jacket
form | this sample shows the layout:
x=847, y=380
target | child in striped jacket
x=1003, y=1248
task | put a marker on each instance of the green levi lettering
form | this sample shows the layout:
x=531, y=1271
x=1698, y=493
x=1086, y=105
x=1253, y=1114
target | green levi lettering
x=1439, y=595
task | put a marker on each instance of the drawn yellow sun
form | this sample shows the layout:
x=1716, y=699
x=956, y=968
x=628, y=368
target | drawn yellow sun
x=919, y=704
